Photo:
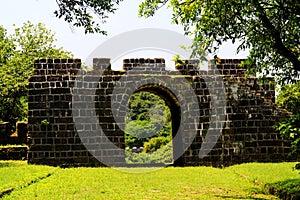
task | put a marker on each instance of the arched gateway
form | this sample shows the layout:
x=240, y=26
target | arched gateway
x=219, y=118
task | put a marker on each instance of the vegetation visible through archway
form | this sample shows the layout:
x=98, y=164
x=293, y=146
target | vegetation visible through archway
x=148, y=131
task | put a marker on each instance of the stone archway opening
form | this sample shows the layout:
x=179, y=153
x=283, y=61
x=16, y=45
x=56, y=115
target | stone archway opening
x=152, y=122
x=85, y=111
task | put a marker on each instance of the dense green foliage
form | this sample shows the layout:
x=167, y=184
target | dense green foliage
x=155, y=143
x=289, y=98
x=270, y=28
x=148, y=125
x=288, y=189
x=148, y=117
x=244, y=181
x=82, y=13
x=290, y=129
x=17, y=54
x=164, y=154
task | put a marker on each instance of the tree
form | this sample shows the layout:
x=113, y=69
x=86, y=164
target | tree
x=148, y=117
x=270, y=28
x=81, y=13
x=148, y=125
x=17, y=54
x=289, y=98
x=289, y=128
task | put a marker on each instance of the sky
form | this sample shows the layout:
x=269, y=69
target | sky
x=81, y=45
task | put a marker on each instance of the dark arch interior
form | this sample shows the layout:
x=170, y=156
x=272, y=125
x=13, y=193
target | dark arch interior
x=174, y=106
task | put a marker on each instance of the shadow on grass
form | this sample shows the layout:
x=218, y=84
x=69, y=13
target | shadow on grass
x=288, y=189
x=237, y=197
x=7, y=191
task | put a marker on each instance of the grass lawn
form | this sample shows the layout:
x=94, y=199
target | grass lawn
x=244, y=181
x=17, y=174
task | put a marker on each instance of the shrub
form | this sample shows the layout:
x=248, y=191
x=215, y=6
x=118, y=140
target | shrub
x=155, y=143
x=162, y=155
x=289, y=98
x=290, y=129
x=289, y=189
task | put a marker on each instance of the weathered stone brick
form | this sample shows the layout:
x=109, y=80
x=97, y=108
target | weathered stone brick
x=248, y=116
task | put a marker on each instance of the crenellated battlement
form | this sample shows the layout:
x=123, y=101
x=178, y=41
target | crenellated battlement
x=60, y=92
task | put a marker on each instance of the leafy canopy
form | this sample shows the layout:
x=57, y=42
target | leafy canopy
x=270, y=28
x=81, y=13
x=289, y=98
x=148, y=117
x=17, y=54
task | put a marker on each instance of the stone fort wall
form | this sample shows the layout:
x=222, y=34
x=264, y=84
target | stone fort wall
x=72, y=110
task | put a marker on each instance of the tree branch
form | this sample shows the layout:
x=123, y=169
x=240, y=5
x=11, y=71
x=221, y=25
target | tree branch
x=278, y=45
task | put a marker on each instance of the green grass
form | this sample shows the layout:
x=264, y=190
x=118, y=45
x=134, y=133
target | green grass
x=244, y=181
x=17, y=174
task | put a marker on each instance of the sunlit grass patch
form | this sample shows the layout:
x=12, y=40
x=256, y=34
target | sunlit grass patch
x=17, y=174
x=244, y=181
